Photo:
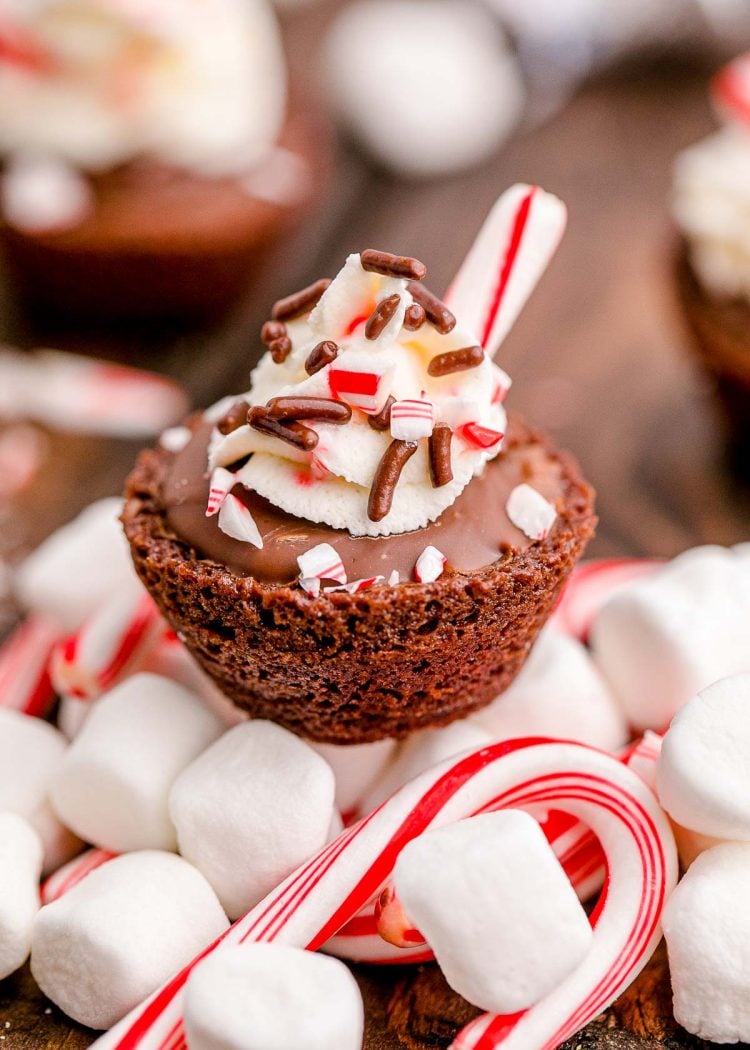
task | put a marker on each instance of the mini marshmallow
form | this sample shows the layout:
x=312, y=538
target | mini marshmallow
x=20, y=868
x=703, y=775
x=356, y=768
x=77, y=567
x=706, y=924
x=498, y=911
x=558, y=693
x=113, y=785
x=422, y=750
x=31, y=753
x=104, y=946
x=250, y=809
x=272, y=997
x=662, y=639
x=438, y=93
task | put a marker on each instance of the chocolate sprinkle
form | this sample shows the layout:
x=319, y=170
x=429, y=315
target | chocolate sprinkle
x=300, y=303
x=456, y=361
x=414, y=317
x=280, y=349
x=320, y=356
x=386, y=478
x=439, y=443
x=295, y=408
x=437, y=312
x=235, y=418
x=382, y=419
x=271, y=331
x=392, y=265
x=381, y=315
x=296, y=434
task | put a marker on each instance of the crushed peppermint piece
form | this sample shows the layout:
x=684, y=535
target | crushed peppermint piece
x=311, y=586
x=480, y=437
x=174, y=439
x=221, y=483
x=430, y=565
x=412, y=419
x=322, y=563
x=530, y=512
x=394, y=578
x=362, y=380
x=356, y=585
x=235, y=520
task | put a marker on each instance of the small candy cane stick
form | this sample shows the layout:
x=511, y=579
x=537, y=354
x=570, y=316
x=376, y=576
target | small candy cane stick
x=506, y=261
x=25, y=683
x=70, y=874
x=591, y=585
x=316, y=900
x=111, y=644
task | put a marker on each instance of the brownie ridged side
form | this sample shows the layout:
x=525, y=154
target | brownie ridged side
x=353, y=668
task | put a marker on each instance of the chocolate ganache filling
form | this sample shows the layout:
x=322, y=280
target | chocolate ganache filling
x=473, y=532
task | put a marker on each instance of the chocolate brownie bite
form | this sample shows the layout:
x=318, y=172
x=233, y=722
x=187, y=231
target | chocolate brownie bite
x=364, y=544
x=149, y=156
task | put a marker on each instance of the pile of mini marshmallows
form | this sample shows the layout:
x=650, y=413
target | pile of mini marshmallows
x=154, y=814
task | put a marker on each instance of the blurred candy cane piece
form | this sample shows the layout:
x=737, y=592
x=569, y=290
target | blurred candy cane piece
x=221, y=482
x=25, y=683
x=22, y=449
x=506, y=261
x=44, y=195
x=324, y=893
x=111, y=644
x=87, y=395
x=70, y=874
x=591, y=585
x=22, y=50
x=730, y=90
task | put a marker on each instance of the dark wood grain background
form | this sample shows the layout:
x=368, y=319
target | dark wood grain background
x=600, y=359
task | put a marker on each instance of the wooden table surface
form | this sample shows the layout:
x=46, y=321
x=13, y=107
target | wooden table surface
x=599, y=359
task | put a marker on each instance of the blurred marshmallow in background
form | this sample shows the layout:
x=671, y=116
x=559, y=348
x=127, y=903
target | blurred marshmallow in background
x=428, y=87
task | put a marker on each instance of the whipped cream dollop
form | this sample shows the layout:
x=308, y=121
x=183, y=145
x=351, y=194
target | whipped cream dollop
x=200, y=84
x=373, y=343
x=711, y=196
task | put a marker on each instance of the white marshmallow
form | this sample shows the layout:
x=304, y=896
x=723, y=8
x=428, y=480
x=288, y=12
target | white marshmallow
x=498, y=911
x=20, y=868
x=356, y=768
x=77, y=567
x=272, y=997
x=422, y=750
x=250, y=809
x=113, y=786
x=438, y=93
x=558, y=693
x=703, y=775
x=661, y=639
x=106, y=944
x=707, y=928
x=71, y=714
x=31, y=753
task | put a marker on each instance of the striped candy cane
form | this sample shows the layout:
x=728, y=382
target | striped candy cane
x=25, y=683
x=70, y=874
x=324, y=893
x=590, y=585
x=574, y=845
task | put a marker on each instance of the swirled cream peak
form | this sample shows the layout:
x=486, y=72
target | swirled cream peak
x=422, y=404
x=711, y=196
x=199, y=84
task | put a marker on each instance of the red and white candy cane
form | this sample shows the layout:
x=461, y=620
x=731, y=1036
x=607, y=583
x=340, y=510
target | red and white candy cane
x=505, y=262
x=574, y=845
x=591, y=585
x=111, y=644
x=25, y=683
x=70, y=874
x=323, y=894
